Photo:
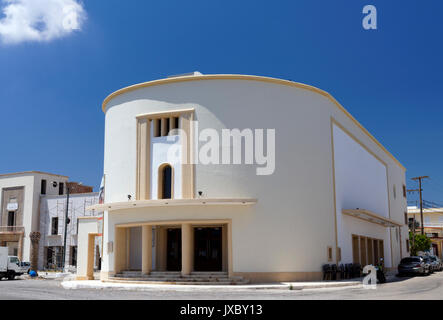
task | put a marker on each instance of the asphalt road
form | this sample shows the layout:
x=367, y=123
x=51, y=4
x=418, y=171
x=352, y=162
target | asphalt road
x=429, y=287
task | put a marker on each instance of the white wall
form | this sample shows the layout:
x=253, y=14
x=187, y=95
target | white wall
x=360, y=182
x=293, y=223
x=159, y=156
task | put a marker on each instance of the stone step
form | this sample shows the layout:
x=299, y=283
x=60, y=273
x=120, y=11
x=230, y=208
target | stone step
x=210, y=272
x=186, y=279
x=144, y=281
x=176, y=281
x=166, y=273
x=178, y=278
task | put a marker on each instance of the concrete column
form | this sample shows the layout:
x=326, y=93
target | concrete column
x=161, y=248
x=230, y=262
x=187, y=149
x=120, y=249
x=144, y=158
x=186, y=249
x=146, y=249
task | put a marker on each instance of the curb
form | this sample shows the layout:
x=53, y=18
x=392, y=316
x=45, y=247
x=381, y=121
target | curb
x=99, y=285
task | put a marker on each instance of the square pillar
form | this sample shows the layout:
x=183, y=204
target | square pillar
x=187, y=249
x=120, y=250
x=229, y=240
x=161, y=248
x=146, y=249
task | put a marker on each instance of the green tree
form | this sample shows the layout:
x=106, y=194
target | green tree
x=422, y=243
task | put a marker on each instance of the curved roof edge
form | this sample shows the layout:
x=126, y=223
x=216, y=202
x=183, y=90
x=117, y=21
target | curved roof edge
x=253, y=78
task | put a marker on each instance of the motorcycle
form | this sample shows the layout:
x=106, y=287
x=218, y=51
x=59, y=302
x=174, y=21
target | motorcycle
x=381, y=277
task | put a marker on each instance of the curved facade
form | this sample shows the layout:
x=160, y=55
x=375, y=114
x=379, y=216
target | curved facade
x=319, y=189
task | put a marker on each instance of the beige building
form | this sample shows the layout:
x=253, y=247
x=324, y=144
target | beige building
x=308, y=185
x=432, y=223
x=20, y=195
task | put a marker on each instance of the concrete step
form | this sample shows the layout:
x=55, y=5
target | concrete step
x=144, y=281
x=209, y=273
x=175, y=277
x=165, y=273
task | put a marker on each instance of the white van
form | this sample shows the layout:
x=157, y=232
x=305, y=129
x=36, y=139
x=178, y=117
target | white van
x=10, y=266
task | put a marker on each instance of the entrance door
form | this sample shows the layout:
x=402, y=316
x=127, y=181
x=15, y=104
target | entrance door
x=208, y=249
x=174, y=250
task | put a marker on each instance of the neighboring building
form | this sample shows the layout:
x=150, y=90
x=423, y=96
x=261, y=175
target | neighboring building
x=52, y=226
x=20, y=195
x=432, y=223
x=335, y=195
x=75, y=187
x=35, y=201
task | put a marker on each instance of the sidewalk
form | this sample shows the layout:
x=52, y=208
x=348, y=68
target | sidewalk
x=96, y=284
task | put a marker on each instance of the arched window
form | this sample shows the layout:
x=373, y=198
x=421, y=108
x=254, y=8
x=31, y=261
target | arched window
x=165, y=182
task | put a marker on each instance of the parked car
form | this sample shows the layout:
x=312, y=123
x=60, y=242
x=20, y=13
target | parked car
x=429, y=263
x=414, y=265
x=436, y=264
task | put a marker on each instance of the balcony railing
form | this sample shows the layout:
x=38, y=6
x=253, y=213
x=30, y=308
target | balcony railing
x=12, y=229
x=433, y=225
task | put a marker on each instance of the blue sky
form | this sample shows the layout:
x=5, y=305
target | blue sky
x=390, y=79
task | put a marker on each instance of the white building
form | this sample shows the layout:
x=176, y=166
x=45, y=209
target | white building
x=52, y=228
x=20, y=195
x=335, y=195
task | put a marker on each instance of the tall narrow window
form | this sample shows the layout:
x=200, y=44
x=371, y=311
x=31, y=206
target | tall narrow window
x=43, y=187
x=61, y=188
x=54, y=226
x=176, y=123
x=165, y=182
x=157, y=127
x=167, y=126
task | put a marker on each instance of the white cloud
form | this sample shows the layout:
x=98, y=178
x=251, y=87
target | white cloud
x=39, y=20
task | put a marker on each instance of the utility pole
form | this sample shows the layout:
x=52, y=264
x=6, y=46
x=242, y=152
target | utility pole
x=421, y=200
x=413, y=221
x=66, y=225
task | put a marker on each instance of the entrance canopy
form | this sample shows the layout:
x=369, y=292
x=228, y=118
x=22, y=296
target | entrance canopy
x=172, y=202
x=371, y=217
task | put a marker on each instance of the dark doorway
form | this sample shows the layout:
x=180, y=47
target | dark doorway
x=11, y=220
x=208, y=249
x=166, y=182
x=174, y=250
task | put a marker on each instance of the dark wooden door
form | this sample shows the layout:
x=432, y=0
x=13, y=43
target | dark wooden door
x=174, y=250
x=208, y=249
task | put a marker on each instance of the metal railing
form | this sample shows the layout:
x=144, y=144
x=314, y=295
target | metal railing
x=433, y=224
x=16, y=229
